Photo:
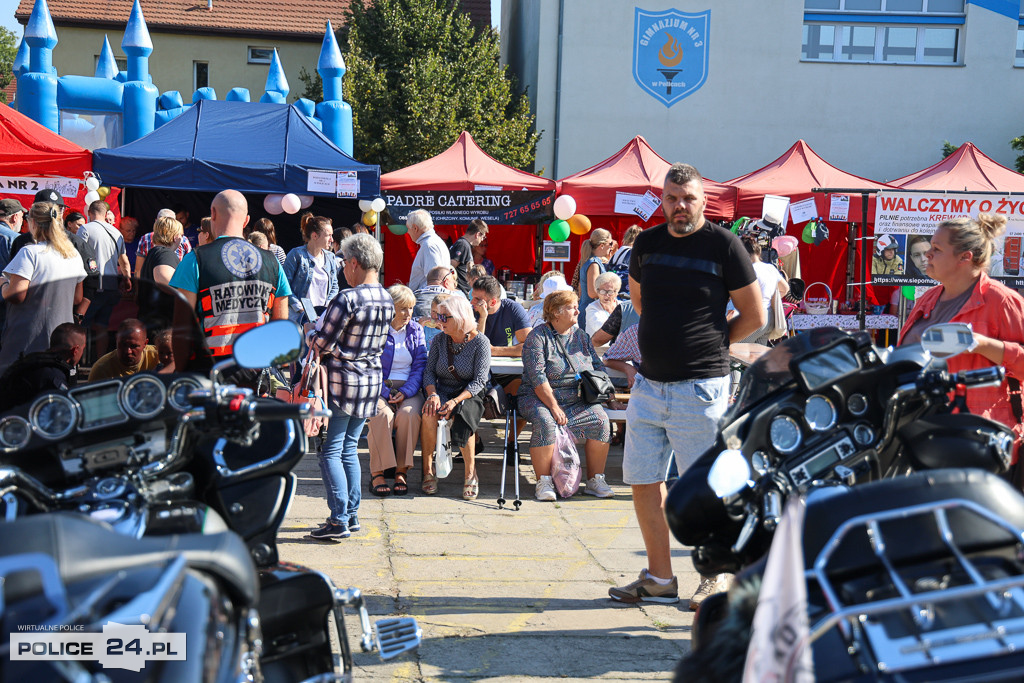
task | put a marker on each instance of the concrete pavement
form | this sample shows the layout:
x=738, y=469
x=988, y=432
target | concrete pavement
x=501, y=595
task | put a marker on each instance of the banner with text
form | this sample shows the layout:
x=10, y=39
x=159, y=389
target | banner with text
x=513, y=207
x=905, y=222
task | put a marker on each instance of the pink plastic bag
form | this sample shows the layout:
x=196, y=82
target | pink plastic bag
x=565, y=464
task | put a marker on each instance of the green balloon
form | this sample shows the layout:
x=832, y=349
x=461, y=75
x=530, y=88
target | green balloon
x=908, y=292
x=558, y=231
x=398, y=229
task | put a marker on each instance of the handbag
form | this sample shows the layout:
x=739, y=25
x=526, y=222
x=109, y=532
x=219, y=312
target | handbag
x=595, y=385
x=778, y=327
x=566, y=473
x=311, y=389
x=495, y=402
x=442, y=450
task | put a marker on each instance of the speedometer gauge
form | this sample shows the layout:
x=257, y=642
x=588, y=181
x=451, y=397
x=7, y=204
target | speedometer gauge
x=785, y=434
x=179, y=392
x=820, y=413
x=14, y=432
x=53, y=416
x=144, y=396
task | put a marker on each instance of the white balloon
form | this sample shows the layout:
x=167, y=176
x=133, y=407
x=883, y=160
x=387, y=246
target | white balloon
x=565, y=207
x=291, y=203
x=364, y=205
x=91, y=197
x=272, y=204
x=306, y=200
x=378, y=204
x=92, y=183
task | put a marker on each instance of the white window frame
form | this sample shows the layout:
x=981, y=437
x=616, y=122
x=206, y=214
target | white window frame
x=878, y=56
x=1018, y=57
x=259, y=60
x=884, y=9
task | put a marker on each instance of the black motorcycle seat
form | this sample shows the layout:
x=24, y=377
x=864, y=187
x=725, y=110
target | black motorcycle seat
x=84, y=549
x=914, y=538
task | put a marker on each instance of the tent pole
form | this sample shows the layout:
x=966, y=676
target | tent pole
x=863, y=286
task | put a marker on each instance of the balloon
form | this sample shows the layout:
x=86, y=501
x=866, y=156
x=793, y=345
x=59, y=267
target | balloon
x=291, y=203
x=378, y=204
x=558, y=231
x=272, y=204
x=365, y=205
x=565, y=207
x=305, y=201
x=92, y=183
x=579, y=224
x=370, y=218
x=785, y=244
x=103, y=191
x=91, y=196
x=398, y=229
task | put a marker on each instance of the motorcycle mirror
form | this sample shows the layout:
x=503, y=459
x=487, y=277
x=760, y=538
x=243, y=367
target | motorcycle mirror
x=948, y=339
x=729, y=474
x=276, y=343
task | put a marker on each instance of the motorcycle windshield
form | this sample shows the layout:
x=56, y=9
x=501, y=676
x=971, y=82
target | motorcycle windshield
x=771, y=372
x=151, y=327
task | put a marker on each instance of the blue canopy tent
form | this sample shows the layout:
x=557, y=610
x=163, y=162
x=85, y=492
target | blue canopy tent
x=255, y=148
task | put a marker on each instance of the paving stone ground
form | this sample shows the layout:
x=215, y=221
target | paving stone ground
x=501, y=595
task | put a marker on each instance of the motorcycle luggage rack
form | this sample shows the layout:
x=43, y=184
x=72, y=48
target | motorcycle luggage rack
x=995, y=606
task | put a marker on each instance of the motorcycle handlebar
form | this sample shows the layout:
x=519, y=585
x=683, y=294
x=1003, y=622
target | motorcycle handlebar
x=275, y=410
x=973, y=378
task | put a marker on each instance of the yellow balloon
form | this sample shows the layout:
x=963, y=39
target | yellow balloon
x=579, y=224
x=103, y=191
x=370, y=218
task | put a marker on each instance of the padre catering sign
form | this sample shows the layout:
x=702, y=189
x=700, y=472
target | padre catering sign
x=906, y=221
x=501, y=207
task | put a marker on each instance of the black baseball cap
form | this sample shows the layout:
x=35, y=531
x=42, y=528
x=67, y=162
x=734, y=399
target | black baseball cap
x=49, y=195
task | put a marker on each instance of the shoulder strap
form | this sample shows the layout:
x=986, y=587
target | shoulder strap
x=561, y=347
x=1015, y=399
x=451, y=358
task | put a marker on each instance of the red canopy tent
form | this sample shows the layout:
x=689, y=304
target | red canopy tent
x=29, y=151
x=464, y=167
x=793, y=175
x=966, y=169
x=634, y=169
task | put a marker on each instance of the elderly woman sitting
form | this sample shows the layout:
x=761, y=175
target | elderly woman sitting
x=458, y=365
x=549, y=395
x=400, y=402
x=608, y=285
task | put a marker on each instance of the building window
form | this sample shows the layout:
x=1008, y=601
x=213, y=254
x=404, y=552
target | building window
x=260, y=55
x=122, y=62
x=883, y=31
x=1018, y=59
x=200, y=75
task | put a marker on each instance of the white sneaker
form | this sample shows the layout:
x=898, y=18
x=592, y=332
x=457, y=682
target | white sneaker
x=597, y=486
x=545, y=489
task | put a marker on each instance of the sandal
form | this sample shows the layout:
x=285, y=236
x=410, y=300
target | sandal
x=471, y=489
x=380, y=490
x=429, y=485
x=401, y=486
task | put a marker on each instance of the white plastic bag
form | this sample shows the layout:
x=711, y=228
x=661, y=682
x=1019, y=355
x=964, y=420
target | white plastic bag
x=443, y=451
x=565, y=464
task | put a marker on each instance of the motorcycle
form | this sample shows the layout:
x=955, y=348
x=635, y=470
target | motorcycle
x=914, y=560
x=145, y=509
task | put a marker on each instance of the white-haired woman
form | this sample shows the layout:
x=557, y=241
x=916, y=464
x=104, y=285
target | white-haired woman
x=458, y=365
x=350, y=335
x=594, y=253
x=608, y=285
x=401, y=399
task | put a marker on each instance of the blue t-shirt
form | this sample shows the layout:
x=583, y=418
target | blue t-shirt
x=186, y=276
x=502, y=325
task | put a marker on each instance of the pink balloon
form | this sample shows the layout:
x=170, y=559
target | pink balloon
x=785, y=245
x=272, y=204
x=291, y=203
x=306, y=200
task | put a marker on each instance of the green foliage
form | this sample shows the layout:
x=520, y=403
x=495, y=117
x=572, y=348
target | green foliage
x=312, y=86
x=1018, y=144
x=8, y=51
x=948, y=148
x=418, y=75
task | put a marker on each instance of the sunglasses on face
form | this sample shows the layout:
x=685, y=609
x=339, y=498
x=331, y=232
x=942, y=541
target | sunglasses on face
x=441, y=317
x=608, y=291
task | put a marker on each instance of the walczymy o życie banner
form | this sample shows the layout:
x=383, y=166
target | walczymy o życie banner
x=457, y=207
x=906, y=221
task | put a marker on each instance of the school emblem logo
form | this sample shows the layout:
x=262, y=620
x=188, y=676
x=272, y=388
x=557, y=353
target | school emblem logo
x=670, y=53
x=241, y=258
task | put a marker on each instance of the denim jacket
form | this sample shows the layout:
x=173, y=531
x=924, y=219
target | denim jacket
x=298, y=268
x=417, y=345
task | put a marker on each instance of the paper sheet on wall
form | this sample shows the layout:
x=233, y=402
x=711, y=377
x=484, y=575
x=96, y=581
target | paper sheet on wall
x=348, y=184
x=774, y=205
x=646, y=205
x=322, y=181
x=803, y=210
x=625, y=202
x=839, y=207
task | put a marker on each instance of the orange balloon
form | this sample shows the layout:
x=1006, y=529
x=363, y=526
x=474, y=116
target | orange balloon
x=579, y=224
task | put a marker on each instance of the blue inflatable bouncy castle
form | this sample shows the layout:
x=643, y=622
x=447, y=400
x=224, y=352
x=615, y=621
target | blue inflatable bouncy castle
x=113, y=108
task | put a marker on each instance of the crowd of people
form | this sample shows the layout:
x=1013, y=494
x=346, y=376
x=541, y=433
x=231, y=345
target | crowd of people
x=415, y=359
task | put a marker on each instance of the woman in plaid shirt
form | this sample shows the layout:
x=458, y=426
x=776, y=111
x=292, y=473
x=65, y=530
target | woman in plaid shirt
x=350, y=337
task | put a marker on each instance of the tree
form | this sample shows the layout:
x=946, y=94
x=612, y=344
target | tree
x=1018, y=144
x=312, y=85
x=948, y=148
x=419, y=74
x=8, y=51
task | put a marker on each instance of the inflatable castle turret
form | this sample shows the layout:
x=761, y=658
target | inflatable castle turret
x=125, y=106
